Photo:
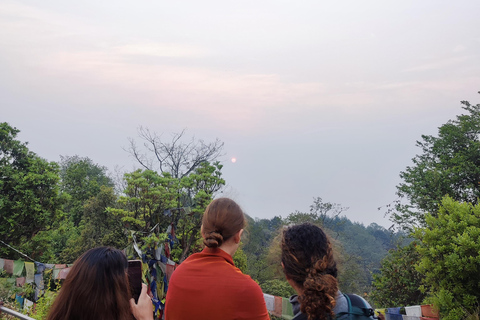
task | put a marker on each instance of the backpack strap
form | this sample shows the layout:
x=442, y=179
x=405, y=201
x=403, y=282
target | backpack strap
x=361, y=308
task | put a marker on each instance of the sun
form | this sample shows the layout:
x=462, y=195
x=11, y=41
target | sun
x=234, y=160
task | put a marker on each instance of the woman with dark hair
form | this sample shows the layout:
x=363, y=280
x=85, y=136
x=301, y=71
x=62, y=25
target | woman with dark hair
x=309, y=266
x=207, y=285
x=97, y=288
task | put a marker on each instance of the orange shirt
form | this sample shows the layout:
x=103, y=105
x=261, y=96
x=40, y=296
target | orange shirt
x=208, y=286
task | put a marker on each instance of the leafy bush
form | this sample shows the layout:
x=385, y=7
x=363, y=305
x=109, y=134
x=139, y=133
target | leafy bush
x=450, y=258
x=277, y=287
x=399, y=282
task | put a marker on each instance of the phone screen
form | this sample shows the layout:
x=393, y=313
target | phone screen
x=135, y=278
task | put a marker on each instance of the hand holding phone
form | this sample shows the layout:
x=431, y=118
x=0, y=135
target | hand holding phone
x=143, y=309
x=135, y=278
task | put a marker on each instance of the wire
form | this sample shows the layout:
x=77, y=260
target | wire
x=23, y=254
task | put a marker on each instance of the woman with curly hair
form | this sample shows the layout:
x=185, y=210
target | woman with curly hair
x=309, y=266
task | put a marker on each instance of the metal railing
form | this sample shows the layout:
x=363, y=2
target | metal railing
x=15, y=313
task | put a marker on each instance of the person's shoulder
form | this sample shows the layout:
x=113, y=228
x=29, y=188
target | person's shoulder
x=246, y=282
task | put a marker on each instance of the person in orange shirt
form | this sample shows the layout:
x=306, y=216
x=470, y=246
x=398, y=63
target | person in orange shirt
x=207, y=285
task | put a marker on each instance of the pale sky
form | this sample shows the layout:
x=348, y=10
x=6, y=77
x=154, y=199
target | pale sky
x=313, y=98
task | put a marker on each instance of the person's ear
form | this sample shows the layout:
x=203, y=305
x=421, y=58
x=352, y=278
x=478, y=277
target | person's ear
x=238, y=236
x=283, y=268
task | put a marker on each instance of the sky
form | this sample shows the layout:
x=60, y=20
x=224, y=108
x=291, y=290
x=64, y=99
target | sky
x=313, y=98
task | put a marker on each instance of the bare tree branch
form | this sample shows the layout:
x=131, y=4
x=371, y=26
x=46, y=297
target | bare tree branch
x=177, y=157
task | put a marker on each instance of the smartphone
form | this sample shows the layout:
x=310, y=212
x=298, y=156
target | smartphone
x=135, y=278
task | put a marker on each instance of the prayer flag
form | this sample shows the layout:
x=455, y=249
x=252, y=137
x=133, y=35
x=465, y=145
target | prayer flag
x=18, y=267
x=8, y=266
x=40, y=267
x=170, y=269
x=162, y=267
x=269, y=301
x=139, y=252
x=63, y=273
x=20, y=281
x=277, y=311
x=19, y=299
x=28, y=305
x=287, y=310
x=158, y=253
x=39, y=281
x=56, y=272
x=30, y=272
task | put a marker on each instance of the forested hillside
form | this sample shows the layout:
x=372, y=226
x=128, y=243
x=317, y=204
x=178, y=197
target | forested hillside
x=360, y=249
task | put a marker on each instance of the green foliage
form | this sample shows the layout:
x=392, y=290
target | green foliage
x=147, y=196
x=7, y=286
x=43, y=305
x=81, y=179
x=258, y=237
x=196, y=192
x=449, y=165
x=152, y=201
x=98, y=227
x=321, y=213
x=450, y=258
x=8, y=289
x=29, y=194
x=47, y=245
x=277, y=287
x=193, y=166
x=240, y=260
x=398, y=282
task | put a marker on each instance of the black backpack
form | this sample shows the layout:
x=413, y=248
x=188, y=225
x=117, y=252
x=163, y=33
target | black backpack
x=357, y=309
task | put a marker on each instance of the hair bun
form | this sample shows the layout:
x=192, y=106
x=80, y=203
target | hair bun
x=213, y=240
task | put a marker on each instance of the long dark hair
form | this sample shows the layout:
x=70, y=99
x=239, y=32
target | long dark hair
x=95, y=288
x=307, y=258
x=222, y=219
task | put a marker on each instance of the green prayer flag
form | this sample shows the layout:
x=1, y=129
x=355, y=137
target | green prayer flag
x=287, y=310
x=18, y=268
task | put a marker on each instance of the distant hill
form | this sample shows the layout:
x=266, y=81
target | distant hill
x=359, y=251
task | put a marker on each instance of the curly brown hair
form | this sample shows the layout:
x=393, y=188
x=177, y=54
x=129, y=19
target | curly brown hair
x=307, y=258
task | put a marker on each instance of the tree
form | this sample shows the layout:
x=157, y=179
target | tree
x=450, y=258
x=258, y=237
x=176, y=157
x=278, y=287
x=29, y=193
x=449, y=165
x=81, y=179
x=322, y=213
x=152, y=201
x=194, y=166
x=240, y=260
x=398, y=283
x=98, y=227
x=196, y=192
x=147, y=196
